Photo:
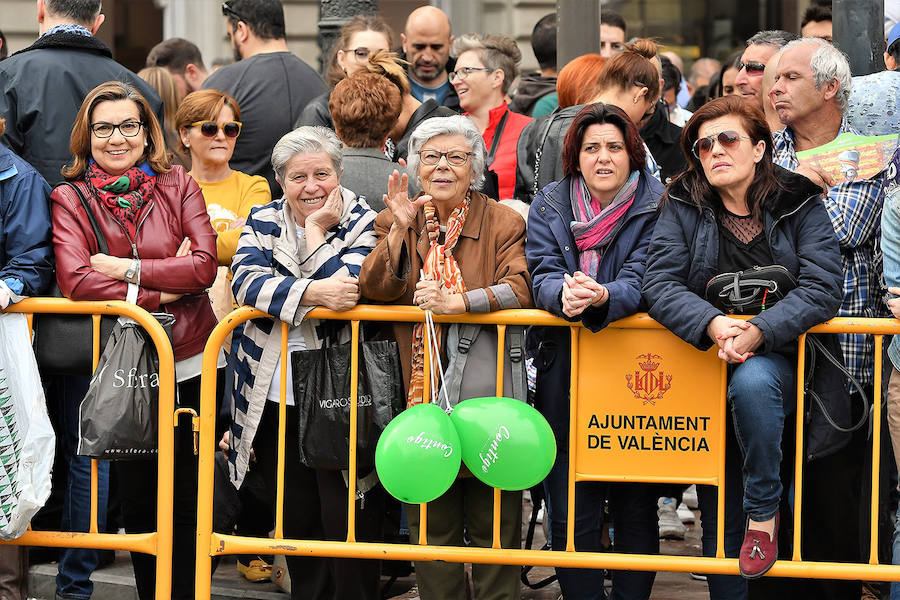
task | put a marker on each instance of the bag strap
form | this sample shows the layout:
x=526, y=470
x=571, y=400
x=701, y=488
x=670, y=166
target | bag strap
x=101, y=239
x=816, y=347
x=466, y=334
x=515, y=351
x=539, y=151
x=498, y=132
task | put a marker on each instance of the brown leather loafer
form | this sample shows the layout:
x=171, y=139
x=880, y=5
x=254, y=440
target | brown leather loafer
x=758, y=552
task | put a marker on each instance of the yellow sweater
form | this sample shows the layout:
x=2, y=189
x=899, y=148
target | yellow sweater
x=231, y=199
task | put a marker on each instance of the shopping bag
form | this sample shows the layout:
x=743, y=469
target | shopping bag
x=27, y=441
x=119, y=414
x=322, y=393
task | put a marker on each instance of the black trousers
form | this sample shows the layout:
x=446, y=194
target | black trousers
x=137, y=485
x=315, y=507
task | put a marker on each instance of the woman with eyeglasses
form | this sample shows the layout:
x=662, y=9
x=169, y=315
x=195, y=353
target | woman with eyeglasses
x=734, y=211
x=452, y=250
x=587, y=242
x=359, y=39
x=162, y=256
x=486, y=66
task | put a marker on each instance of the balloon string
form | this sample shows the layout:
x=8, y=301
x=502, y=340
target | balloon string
x=431, y=334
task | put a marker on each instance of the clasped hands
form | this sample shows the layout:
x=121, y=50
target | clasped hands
x=580, y=291
x=737, y=339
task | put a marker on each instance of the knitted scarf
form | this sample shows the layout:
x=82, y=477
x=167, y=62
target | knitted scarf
x=124, y=195
x=593, y=226
x=439, y=265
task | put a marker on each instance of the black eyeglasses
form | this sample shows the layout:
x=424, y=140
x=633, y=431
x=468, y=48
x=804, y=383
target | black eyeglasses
x=361, y=53
x=455, y=158
x=727, y=139
x=209, y=129
x=752, y=67
x=104, y=130
x=228, y=11
x=464, y=73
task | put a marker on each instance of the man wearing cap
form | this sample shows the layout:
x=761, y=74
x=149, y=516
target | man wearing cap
x=875, y=98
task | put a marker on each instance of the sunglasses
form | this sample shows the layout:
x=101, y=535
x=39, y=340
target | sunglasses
x=727, y=139
x=227, y=11
x=209, y=129
x=752, y=67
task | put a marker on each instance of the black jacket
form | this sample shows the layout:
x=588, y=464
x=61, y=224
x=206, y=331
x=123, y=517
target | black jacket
x=430, y=108
x=317, y=112
x=684, y=255
x=664, y=140
x=42, y=88
x=532, y=87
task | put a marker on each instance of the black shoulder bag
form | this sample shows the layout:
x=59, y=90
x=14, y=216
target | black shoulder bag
x=63, y=343
x=749, y=292
x=491, y=187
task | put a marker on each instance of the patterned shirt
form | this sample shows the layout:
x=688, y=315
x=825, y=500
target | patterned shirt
x=68, y=28
x=855, y=211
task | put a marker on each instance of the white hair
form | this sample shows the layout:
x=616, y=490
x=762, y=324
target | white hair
x=829, y=64
x=306, y=139
x=455, y=125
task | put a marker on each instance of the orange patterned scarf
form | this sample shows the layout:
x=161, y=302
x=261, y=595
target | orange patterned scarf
x=439, y=265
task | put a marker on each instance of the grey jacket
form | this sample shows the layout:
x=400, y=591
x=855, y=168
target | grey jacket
x=366, y=172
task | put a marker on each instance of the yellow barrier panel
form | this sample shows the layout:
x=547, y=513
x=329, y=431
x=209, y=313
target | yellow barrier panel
x=628, y=373
x=159, y=542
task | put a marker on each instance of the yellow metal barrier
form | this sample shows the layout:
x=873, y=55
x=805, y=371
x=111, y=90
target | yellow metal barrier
x=212, y=544
x=159, y=542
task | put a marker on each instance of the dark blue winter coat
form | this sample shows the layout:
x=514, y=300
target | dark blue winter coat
x=551, y=252
x=684, y=256
x=26, y=251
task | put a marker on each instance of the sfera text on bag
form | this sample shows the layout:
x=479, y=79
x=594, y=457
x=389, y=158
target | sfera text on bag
x=129, y=378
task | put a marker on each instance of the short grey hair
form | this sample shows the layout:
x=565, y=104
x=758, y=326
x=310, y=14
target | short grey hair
x=455, y=125
x=829, y=64
x=306, y=139
x=773, y=37
x=495, y=51
x=81, y=12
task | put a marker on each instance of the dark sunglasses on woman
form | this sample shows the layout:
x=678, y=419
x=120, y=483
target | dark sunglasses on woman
x=727, y=139
x=210, y=129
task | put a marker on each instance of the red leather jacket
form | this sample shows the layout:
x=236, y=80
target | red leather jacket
x=176, y=211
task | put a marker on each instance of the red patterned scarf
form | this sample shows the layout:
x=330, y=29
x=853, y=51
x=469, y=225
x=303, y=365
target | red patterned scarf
x=439, y=265
x=124, y=195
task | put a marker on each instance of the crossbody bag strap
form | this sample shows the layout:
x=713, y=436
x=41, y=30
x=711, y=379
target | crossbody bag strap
x=515, y=353
x=539, y=151
x=101, y=239
x=498, y=132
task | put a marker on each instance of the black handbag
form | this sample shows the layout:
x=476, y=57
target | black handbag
x=322, y=393
x=63, y=343
x=750, y=291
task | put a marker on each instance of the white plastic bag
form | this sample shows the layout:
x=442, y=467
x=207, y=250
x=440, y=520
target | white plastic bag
x=27, y=441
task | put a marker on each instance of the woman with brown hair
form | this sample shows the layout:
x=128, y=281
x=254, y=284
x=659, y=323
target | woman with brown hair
x=162, y=81
x=365, y=107
x=162, y=256
x=359, y=39
x=734, y=211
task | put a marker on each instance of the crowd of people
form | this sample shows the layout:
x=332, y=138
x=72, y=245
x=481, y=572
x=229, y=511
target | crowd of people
x=427, y=170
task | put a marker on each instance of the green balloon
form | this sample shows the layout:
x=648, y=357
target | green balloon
x=417, y=456
x=506, y=443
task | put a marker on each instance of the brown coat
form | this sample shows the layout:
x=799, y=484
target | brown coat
x=490, y=251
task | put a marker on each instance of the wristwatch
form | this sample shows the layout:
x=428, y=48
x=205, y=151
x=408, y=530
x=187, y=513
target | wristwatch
x=132, y=271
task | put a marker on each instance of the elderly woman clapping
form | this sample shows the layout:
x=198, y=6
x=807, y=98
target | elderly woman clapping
x=450, y=250
x=298, y=252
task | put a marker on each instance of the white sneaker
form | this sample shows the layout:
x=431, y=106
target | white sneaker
x=685, y=514
x=670, y=526
x=689, y=497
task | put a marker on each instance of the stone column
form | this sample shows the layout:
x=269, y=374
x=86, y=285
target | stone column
x=332, y=15
x=859, y=32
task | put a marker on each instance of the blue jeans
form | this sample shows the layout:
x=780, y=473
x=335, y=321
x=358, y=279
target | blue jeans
x=76, y=564
x=633, y=507
x=761, y=392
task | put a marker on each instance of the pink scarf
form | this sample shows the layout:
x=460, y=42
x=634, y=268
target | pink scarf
x=592, y=225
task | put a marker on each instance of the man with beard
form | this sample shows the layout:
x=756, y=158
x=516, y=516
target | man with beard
x=426, y=41
x=271, y=85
